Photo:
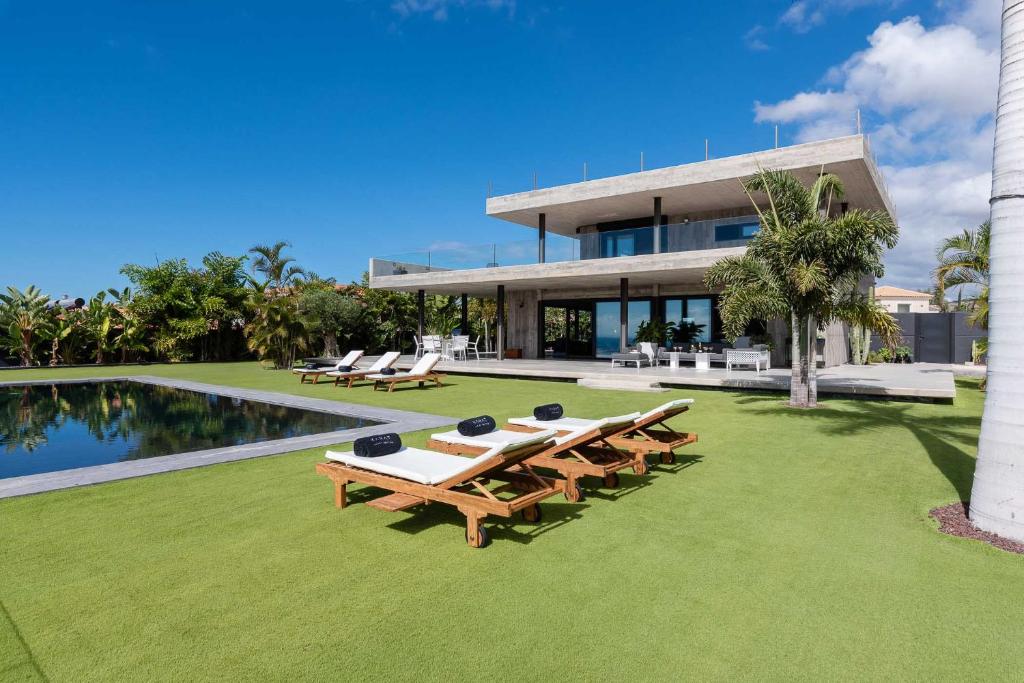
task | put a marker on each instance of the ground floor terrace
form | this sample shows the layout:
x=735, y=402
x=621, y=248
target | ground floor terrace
x=885, y=380
x=784, y=544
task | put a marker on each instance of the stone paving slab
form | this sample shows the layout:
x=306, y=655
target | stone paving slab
x=399, y=421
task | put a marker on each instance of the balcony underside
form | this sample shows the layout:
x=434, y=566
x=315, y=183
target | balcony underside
x=649, y=269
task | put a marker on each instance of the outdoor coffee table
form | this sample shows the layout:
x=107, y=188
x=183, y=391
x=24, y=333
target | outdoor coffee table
x=673, y=360
x=702, y=361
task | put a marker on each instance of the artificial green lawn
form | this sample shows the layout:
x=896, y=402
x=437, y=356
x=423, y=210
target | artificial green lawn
x=787, y=544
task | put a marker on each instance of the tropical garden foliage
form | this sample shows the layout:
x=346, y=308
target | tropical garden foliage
x=805, y=265
x=259, y=305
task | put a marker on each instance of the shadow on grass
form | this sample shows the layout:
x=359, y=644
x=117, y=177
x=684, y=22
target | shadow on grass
x=941, y=436
x=554, y=514
x=12, y=662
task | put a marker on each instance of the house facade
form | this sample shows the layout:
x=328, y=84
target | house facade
x=607, y=254
x=897, y=300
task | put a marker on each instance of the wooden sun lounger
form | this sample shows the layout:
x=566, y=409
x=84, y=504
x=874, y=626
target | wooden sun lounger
x=385, y=361
x=576, y=455
x=391, y=381
x=471, y=492
x=651, y=434
x=351, y=358
x=422, y=372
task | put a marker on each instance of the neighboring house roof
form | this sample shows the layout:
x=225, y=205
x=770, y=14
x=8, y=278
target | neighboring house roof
x=887, y=292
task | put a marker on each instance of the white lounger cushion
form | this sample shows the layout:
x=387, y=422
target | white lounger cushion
x=422, y=367
x=427, y=467
x=488, y=440
x=385, y=361
x=573, y=424
x=350, y=359
x=666, y=407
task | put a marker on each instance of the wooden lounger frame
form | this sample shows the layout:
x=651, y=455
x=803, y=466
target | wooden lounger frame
x=653, y=435
x=392, y=380
x=589, y=454
x=315, y=374
x=470, y=492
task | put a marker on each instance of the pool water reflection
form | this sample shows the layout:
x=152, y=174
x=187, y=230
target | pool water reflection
x=52, y=427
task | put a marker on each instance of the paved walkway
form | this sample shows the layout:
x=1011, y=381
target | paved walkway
x=916, y=380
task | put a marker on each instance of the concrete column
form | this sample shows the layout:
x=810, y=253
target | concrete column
x=464, y=320
x=657, y=225
x=542, y=229
x=500, y=347
x=623, y=313
x=420, y=308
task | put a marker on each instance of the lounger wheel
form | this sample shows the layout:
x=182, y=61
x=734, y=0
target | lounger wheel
x=574, y=493
x=531, y=513
x=668, y=458
x=482, y=539
x=611, y=480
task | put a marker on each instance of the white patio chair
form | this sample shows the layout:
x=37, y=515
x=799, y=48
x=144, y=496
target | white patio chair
x=419, y=347
x=460, y=346
x=473, y=347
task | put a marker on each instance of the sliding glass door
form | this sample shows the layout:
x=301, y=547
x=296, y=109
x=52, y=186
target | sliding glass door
x=568, y=330
x=608, y=324
x=695, y=313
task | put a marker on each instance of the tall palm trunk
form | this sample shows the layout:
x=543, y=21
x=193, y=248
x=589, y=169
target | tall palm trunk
x=812, y=362
x=997, y=499
x=798, y=365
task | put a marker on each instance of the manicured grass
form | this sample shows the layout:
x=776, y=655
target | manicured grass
x=786, y=545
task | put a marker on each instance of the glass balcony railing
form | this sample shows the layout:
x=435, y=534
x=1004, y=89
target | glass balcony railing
x=692, y=236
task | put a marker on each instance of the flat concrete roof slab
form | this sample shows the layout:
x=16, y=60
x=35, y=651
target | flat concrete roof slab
x=696, y=187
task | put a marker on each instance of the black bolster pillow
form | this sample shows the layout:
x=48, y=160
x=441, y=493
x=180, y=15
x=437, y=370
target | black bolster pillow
x=387, y=371
x=344, y=368
x=377, y=445
x=311, y=366
x=551, y=411
x=475, y=426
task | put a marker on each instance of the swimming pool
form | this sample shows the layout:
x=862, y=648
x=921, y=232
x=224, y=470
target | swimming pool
x=51, y=427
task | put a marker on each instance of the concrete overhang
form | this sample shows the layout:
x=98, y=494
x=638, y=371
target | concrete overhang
x=685, y=267
x=697, y=187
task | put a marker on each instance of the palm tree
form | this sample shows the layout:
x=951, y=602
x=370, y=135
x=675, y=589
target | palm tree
x=804, y=265
x=997, y=497
x=99, y=320
x=25, y=317
x=964, y=263
x=276, y=268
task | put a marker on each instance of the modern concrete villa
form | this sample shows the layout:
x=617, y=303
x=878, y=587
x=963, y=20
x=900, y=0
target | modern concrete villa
x=598, y=267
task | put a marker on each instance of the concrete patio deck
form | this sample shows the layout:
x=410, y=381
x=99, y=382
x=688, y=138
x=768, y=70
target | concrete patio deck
x=917, y=380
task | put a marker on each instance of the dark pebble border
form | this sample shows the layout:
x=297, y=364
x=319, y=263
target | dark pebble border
x=953, y=520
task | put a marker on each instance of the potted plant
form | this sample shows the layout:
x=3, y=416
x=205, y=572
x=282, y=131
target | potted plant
x=903, y=354
x=686, y=333
x=655, y=331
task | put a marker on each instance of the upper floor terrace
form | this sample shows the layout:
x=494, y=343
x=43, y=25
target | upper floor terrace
x=675, y=221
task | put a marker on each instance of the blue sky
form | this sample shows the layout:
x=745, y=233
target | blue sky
x=132, y=132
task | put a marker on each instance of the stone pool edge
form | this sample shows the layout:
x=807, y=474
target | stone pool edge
x=399, y=421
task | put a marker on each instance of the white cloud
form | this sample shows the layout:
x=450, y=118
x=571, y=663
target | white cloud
x=927, y=96
x=754, y=39
x=802, y=16
x=439, y=9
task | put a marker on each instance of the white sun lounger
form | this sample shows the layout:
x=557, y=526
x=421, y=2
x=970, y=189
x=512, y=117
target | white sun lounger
x=471, y=485
x=385, y=361
x=421, y=372
x=350, y=359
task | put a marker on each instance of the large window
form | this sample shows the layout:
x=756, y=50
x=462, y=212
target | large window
x=696, y=311
x=608, y=324
x=736, y=231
